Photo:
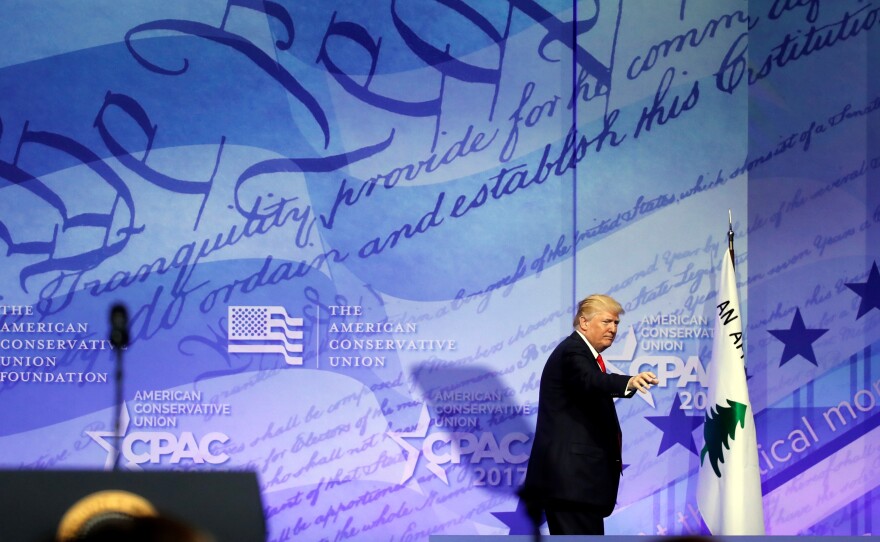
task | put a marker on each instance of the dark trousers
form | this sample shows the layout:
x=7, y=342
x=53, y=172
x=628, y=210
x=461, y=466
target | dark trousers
x=565, y=517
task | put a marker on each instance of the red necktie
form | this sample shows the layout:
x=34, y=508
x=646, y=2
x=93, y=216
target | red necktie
x=601, y=363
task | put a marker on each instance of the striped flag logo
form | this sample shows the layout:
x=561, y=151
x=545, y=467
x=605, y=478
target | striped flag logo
x=265, y=330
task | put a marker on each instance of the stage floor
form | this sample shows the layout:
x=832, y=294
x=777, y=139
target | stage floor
x=633, y=538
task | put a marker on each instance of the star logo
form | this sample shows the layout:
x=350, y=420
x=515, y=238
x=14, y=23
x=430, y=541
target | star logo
x=110, y=441
x=677, y=427
x=413, y=453
x=869, y=291
x=798, y=340
x=518, y=521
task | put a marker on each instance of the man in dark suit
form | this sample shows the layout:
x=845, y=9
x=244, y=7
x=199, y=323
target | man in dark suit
x=575, y=464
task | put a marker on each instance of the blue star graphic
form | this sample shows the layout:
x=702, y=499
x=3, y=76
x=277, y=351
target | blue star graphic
x=677, y=427
x=869, y=291
x=798, y=340
x=518, y=520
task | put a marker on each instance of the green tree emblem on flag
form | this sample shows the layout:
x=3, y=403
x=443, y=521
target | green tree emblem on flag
x=720, y=425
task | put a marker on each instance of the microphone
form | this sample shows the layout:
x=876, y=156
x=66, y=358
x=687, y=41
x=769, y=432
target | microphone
x=118, y=326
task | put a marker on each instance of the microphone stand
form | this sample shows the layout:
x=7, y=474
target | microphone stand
x=117, y=411
x=119, y=340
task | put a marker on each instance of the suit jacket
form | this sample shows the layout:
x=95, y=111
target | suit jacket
x=576, y=451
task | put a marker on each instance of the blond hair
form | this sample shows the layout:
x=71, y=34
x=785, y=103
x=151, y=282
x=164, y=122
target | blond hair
x=594, y=304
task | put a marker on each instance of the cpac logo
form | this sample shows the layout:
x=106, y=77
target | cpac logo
x=669, y=367
x=154, y=447
x=158, y=445
x=443, y=448
x=665, y=367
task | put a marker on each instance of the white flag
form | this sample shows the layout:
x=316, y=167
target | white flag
x=729, y=485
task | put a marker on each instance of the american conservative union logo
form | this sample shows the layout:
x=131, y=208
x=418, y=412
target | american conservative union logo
x=265, y=330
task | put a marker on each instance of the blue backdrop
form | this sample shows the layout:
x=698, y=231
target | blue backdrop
x=349, y=233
